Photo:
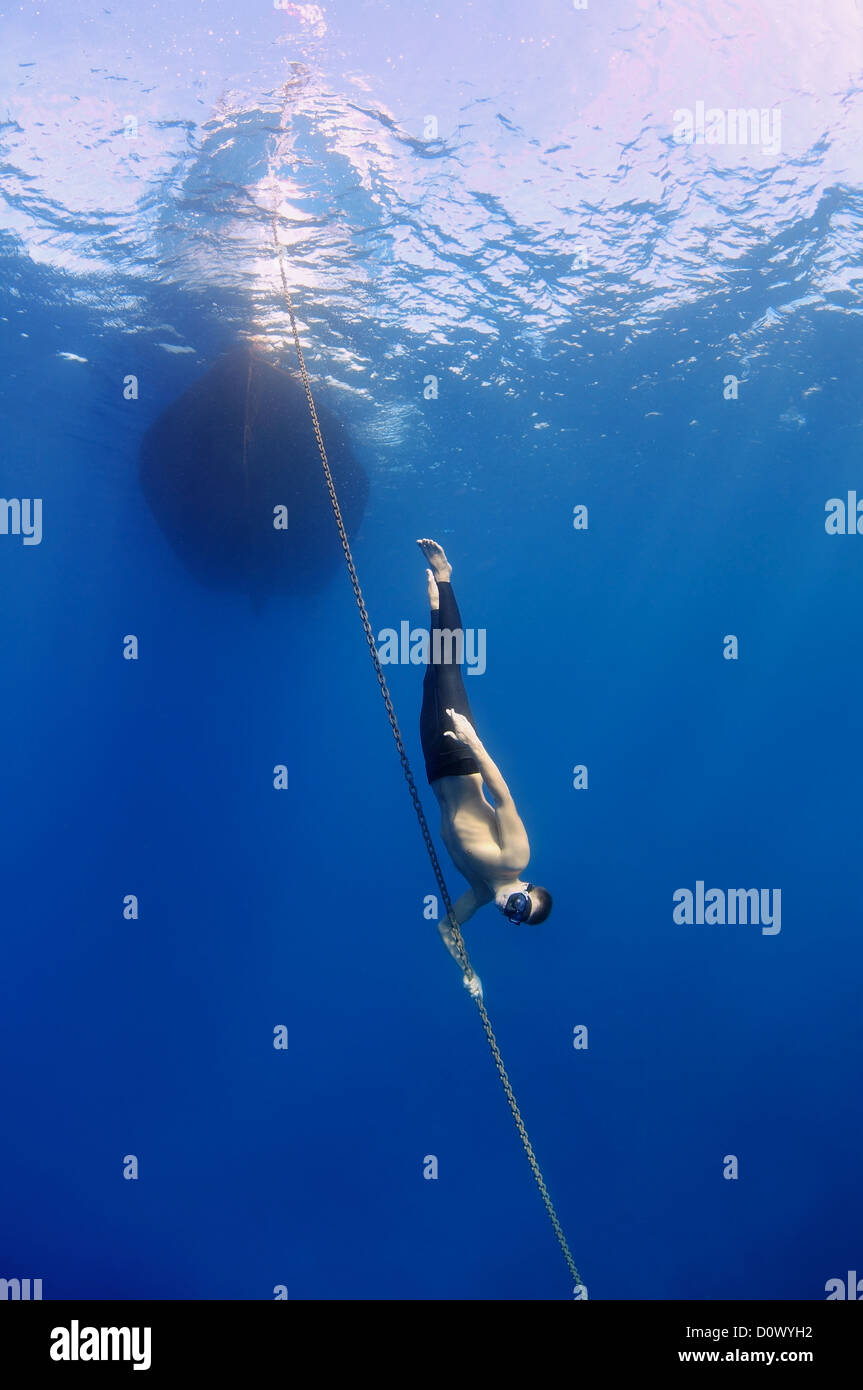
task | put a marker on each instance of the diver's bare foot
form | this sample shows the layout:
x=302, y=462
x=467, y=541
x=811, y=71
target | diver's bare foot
x=434, y=595
x=441, y=567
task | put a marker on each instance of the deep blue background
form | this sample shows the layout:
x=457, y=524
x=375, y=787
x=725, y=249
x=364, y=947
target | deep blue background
x=304, y=907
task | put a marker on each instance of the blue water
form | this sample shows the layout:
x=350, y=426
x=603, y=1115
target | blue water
x=457, y=256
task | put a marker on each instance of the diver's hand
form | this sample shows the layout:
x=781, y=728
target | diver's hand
x=474, y=984
x=464, y=730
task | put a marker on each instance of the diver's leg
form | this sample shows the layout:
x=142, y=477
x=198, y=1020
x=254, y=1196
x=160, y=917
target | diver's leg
x=430, y=713
x=440, y=565
x=445, y=617
x=450, y=685
x=443, y=686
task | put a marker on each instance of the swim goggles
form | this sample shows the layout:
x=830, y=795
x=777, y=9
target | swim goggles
x=518, y=906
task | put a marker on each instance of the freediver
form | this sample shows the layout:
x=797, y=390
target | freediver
x=486, y=841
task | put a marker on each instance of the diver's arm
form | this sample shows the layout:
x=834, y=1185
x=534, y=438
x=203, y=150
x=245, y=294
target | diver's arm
x=470, y=902
x=514, y=844
x=471, y=981
x=463, y=909
x=512, y=834
x=448, y=939
x=493, y=777
x=491, y=774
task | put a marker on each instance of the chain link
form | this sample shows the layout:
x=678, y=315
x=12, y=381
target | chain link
x=412, y=787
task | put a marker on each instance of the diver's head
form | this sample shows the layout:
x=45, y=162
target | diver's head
x=523, y=902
